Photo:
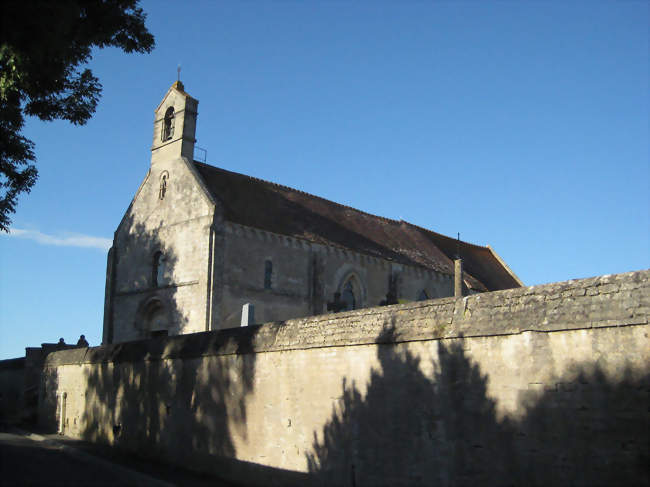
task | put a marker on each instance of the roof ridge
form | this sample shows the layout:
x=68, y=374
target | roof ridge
x=299, y=191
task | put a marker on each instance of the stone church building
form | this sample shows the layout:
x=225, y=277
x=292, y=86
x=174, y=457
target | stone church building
x=198, y=242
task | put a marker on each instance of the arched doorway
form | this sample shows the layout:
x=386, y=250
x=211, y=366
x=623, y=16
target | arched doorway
x=154, y=318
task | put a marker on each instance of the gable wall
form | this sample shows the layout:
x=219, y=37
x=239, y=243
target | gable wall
x=179, y=226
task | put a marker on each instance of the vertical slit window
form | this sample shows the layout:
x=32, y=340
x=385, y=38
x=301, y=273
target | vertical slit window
x=158, y=270
x=268, y=274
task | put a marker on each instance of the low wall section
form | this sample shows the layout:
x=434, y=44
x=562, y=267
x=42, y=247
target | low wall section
x=12, y=385
x=541, y=385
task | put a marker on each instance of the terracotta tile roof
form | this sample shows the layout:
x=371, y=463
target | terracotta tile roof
x=286, y=211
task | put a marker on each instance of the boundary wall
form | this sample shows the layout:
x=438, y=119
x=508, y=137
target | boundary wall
x=530, y=386
x=20, y=380
x=12, y=386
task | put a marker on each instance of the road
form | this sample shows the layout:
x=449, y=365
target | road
x=33, y=460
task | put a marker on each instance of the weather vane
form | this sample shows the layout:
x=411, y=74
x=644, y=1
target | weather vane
x=178, y=69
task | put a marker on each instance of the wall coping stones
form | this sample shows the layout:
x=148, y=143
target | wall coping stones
x=604, y=301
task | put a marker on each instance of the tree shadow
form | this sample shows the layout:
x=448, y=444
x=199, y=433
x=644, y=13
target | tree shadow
x=148, y=276
x=47, y=397
x=586, y=429
x=177, y=399
x=443, y=429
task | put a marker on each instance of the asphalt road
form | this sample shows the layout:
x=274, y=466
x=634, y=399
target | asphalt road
x=31, y=460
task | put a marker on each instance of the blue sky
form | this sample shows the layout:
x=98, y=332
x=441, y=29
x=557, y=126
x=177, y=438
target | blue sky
x=523, y=125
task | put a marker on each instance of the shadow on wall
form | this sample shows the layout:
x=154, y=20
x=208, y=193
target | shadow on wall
x=48, y=398
x=413, y=430
x=171, y=406
x=163, y=397
x=148, y=266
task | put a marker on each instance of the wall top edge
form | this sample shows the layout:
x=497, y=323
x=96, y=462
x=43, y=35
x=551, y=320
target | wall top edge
x=604, y=301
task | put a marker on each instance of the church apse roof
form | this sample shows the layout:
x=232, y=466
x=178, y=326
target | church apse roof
x=286, y=211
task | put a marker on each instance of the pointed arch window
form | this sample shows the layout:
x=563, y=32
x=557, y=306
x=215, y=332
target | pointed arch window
x=423, y=296
x=168, y=124
x=349, y=294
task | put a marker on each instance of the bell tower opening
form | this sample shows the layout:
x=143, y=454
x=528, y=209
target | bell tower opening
x=174, y=125
x=168, y=125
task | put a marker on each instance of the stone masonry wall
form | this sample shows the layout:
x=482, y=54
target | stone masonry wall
x=300, y=288
x=178, y=225
x=543, y=385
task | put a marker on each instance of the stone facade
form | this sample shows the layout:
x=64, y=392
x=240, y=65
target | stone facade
x=305, y=275
x=197, y=243
x=545, y=385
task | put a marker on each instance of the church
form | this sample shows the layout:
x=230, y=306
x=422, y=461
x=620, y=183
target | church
x=199, y=248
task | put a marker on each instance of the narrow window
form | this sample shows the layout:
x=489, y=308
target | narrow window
x=348, y=295
x=168, y=124
x=158, y=269
x=162, y=191
x=268, y=274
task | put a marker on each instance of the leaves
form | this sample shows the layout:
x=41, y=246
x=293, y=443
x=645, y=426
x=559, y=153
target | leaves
x=44, y=46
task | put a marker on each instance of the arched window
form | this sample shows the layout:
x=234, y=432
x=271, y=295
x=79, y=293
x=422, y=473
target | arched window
x=158, y=269
x=168, y=125
x=268, y=274
x=348, y=295
x=162, y=191
x=423, y=296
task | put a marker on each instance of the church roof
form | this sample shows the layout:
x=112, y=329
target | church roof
x=286, y=211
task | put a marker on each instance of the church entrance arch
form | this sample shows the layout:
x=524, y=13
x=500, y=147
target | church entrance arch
x=154, y=317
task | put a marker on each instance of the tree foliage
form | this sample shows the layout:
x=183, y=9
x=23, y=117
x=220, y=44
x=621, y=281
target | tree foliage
x=44, y=47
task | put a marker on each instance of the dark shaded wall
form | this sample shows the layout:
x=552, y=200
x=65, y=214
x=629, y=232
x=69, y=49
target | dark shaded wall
x=545, y=385
x=12, y=385
x=20, y=381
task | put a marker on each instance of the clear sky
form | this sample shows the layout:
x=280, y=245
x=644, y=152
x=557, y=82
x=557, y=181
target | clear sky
x=523, y=125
